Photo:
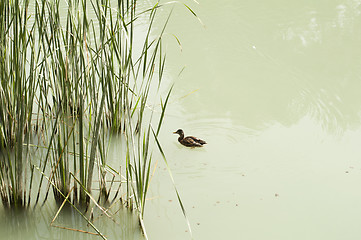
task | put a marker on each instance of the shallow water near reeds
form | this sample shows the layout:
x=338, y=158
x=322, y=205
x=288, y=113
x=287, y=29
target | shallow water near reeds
x=274, y=87
x=68, y=224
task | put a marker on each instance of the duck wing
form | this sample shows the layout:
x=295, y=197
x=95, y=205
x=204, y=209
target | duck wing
x=197, y=140
x=190, y=142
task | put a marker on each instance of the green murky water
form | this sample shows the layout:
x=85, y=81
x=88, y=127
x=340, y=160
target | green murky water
x=274, y=87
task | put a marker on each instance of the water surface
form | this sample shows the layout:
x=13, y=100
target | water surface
x=274, y=88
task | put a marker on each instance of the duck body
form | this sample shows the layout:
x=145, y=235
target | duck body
x=189, y=141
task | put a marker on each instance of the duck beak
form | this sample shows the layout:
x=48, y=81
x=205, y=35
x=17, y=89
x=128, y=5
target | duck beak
x=174, y=132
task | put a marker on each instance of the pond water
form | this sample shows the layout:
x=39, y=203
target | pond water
x=44, y=223
x=274, y=87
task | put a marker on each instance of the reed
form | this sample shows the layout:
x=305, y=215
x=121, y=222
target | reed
x=68, y=85
x=17, y=92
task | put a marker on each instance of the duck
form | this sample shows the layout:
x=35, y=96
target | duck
x=189, y=141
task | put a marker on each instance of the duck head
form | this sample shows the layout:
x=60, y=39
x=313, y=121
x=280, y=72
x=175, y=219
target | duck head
x=181, y=134
x=179, y=131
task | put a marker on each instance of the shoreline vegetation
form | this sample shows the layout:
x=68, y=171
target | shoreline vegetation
x=69, y=84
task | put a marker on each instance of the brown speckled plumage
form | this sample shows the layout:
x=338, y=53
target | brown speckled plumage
x=189, y=141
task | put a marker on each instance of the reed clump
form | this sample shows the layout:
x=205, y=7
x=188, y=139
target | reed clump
x=68, y=83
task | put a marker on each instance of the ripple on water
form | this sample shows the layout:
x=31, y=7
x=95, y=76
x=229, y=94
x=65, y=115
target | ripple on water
x=223, y=129
x=220, y=156
x=333, y=107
